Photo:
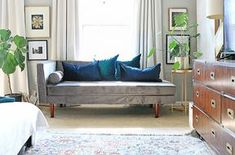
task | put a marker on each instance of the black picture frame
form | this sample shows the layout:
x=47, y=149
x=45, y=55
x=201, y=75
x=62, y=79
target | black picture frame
x=37, y=50
x=169, y=57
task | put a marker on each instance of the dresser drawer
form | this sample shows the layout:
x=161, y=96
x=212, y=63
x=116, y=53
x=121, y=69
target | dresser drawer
x=228, y=113
x=199, y=97
x=213, y=104
x=231, y=81
x=199, y=71
x=216, y=76
x=227, y=143
x=215, y=132
x=200, y=123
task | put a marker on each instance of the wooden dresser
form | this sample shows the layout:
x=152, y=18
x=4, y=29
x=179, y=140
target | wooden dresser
x=214, y=104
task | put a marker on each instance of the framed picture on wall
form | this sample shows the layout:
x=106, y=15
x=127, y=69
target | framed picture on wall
x=172, y=13
x=170, y=59
x=37, y=50
x=37, y=22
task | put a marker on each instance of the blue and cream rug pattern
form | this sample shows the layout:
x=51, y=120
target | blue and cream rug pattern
x=54, y=142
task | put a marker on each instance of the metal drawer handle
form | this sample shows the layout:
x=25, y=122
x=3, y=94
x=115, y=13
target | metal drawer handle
x=197, y=93
x=213, y=133
x=198, y=71
x=212, y=76
x=229, y=148
x=230, y=113
x=213, y=103
x=196, y=118
x=233, y=79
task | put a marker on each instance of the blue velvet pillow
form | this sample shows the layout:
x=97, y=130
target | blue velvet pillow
x=135, y=62
x=88, y=72
x=6, y=99
x=107, y=68
x=151, y=74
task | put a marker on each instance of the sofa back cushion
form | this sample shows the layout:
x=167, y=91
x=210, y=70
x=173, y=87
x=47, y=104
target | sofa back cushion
x=85, y=72
x=59, y=64
x=150, y=74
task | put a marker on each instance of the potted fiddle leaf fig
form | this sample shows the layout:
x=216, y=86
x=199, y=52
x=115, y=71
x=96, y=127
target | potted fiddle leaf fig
x=180, y=50
x=12, y=55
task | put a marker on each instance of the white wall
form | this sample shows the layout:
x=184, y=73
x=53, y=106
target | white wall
x=206, y=28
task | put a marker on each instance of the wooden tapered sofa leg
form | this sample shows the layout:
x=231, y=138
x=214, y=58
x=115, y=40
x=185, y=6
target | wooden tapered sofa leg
x=52, y=110
x=157, y=110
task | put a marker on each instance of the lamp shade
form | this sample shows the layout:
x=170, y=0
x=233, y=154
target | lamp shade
x=214, y=9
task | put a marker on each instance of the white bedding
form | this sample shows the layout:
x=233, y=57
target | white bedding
x=18, y=121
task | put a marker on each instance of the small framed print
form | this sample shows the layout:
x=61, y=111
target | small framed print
x=37, y=50
x=37, y=22
x=172, y=13
x=170, y=59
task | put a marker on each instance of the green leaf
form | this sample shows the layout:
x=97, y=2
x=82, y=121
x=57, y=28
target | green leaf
x=20, y=41
x=151, y=52
x=176, y=65
x=3, y=54
x=196, y=35
x=172, y=44
x=197, y=54
x=20, y=58
x=5, y=34
x=181, y=20
x=10, y=64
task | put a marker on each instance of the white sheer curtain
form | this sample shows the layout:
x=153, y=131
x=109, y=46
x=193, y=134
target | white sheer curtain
x=149, y=30
x=64, y=37
x=12, y=17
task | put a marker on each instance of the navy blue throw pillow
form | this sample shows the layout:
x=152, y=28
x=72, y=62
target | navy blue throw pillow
x=88, y=72
x=135, y=62
x=150, y=74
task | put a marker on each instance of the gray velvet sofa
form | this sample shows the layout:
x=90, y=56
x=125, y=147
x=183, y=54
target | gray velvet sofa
x=100, y=92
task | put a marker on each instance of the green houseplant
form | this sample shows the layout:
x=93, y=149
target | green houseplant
x=180, y=50
x=12, y=51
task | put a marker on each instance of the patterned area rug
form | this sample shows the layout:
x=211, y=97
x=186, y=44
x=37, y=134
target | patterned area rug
x=76, y=143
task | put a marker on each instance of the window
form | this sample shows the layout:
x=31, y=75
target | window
x=106, y=28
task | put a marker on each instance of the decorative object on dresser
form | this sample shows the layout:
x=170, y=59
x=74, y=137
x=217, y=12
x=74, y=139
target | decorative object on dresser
x=214, y=104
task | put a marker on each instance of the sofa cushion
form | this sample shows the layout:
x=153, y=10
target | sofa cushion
x=55, y=77
x=88, y=72
x=107, y=68
x=150, y=74
x=73, y=88
x=135, y=62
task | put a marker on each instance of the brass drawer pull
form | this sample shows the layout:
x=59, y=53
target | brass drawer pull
x=229, y=148
x=212, y=76
x=198, y=71
x=213, y=133
x=230, y=113
x=213, y=103
x=196, y=118
x=233, y=79
x=197, y=93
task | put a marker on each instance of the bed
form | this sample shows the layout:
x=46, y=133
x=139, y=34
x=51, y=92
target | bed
x=19, y=122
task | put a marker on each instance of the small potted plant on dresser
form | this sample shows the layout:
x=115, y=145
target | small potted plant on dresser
x=12, y=51
x=178, y=47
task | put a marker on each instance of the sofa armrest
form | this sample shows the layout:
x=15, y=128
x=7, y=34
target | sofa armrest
x=43, y=71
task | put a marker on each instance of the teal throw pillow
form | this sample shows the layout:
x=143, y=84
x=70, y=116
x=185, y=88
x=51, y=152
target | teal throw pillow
x=135, y=62
x=107, y=68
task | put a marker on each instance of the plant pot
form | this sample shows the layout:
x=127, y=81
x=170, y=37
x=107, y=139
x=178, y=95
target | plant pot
x=16, y=96
x=183, y=61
